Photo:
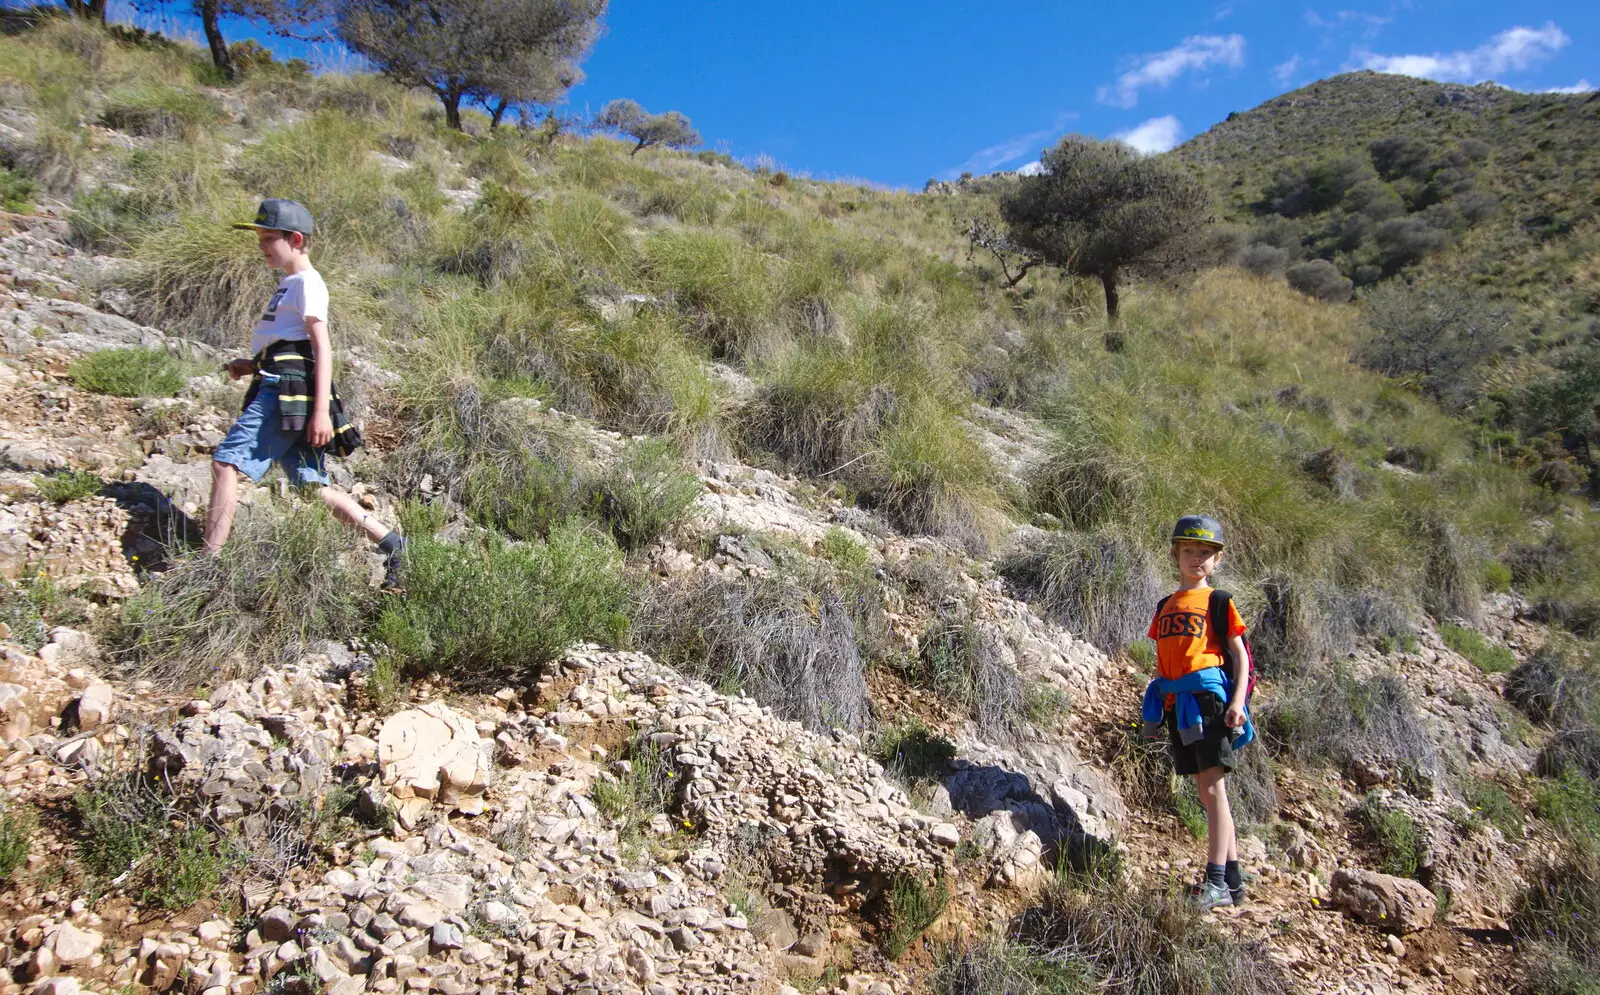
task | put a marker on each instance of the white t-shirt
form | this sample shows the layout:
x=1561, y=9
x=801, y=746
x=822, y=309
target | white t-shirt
x=299, y=298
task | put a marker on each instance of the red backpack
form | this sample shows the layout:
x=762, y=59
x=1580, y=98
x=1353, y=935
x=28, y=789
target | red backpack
x=1217, y=620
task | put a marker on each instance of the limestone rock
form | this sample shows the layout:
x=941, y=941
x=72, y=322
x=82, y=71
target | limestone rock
x=1383, y=900
x=433, y=752
x=74, y=946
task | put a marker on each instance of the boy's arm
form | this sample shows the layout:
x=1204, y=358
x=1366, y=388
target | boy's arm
x=1241, y=682
x=320, y=431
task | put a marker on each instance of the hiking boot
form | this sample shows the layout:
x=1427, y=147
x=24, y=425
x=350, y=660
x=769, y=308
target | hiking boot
x=1211, y=896
x=1237, y=894
x=393, y=566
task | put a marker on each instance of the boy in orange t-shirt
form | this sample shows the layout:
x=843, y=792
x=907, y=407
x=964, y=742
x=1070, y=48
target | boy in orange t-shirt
x=1184, y=649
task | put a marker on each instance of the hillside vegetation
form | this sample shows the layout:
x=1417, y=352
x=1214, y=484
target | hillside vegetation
x=844, y=335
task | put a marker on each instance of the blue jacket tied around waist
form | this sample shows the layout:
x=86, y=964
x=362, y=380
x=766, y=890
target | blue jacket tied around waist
x=1190, y=727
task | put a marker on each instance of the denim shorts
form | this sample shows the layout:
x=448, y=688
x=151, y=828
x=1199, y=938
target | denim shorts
x=257, y=440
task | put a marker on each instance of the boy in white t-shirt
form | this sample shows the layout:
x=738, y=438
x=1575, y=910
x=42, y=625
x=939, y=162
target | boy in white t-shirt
x=292, y=413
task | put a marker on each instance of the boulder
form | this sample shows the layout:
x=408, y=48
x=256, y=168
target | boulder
x=75, y=946
x=95, y=706
x=1400, y=905
x=434, y=753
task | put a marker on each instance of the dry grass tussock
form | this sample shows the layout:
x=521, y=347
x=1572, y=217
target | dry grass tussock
x=790, y=644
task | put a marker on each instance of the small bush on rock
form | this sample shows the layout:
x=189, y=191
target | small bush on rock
x=913, y=907
x=1552, y=685
x=1491, y=658
x=1395, y=834
x=70, y=485
x=646, y=493
x=1562, y=907
x=17, y=825
x=910, y=750
x=136, y=372
x=488, y=610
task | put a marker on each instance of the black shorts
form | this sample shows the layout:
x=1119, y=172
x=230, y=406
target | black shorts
x=1214, y=749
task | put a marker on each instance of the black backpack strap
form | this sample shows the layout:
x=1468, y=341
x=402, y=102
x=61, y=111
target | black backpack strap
x=1218, y=617
x=1162, y=604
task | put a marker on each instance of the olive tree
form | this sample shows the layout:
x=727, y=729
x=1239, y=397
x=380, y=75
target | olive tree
x=496, y=53
x=282, y=15
x=1098, y=208
x=1437, y=335
x=671, y=130
x=94, y=10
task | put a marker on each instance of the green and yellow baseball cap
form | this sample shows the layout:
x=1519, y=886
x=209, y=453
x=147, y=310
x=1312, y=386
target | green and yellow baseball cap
x=280, y=215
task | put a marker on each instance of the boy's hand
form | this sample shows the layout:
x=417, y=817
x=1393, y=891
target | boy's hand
x=240, y=368
x=1233, y=718
x=320, y=432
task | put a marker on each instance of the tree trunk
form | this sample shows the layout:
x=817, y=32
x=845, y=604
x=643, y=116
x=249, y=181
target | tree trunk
x=220, y=56
x=497, y=113
x=451, y=98
x=636, y=148
x=1108, y=280
x=89, y=10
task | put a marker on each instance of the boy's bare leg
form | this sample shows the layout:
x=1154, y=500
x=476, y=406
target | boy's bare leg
x=347, y=509
x=224, y=498
x=1221, y=846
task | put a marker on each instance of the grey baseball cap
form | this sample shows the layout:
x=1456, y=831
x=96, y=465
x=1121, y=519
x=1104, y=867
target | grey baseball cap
x=280, y=215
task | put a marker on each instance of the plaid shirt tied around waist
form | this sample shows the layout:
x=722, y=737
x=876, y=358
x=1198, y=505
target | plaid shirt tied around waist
x=293, y=363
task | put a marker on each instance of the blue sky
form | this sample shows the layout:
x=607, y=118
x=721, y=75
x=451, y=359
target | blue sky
x=897, y=93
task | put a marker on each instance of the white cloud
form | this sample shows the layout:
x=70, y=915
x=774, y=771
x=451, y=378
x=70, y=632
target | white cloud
x=1284, y=72
x=992, y=158
x=1159, y=134
x=1582, y=86
x=1033, y=168
x=1197, y=53
x=1512, y=50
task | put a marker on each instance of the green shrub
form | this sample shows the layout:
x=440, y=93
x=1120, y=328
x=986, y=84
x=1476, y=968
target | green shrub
x=280, y=583
x=33, y=605
x=1143, y=653
x=488, y=610
x=134, y=372
x=1491, y=658
x=1044, y=703
x=913, y=907
x=1496, y=576
x=70, y=485
x=647, y=493
x=908, y=749
x=719, y=282
x=1488, y=802
x=1395, y=834
x=17, y=825
x=16, y=192
x=1553, y=684
x=191, y=868
x=1571, y=803
x=638, y=795
x=1189, y=810
x=845, y=551
x=199, y=278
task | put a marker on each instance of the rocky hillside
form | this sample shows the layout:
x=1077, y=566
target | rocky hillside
x=775, y=598
x=1379, y=173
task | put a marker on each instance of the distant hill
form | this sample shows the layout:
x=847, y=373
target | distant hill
x=1387, y=175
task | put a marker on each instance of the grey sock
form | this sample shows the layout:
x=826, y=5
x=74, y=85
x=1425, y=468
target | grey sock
x=1214, y=875
x=391, y=543
x=1232, y=875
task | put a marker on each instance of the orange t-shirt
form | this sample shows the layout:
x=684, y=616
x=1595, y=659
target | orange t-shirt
x=1183, y=644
